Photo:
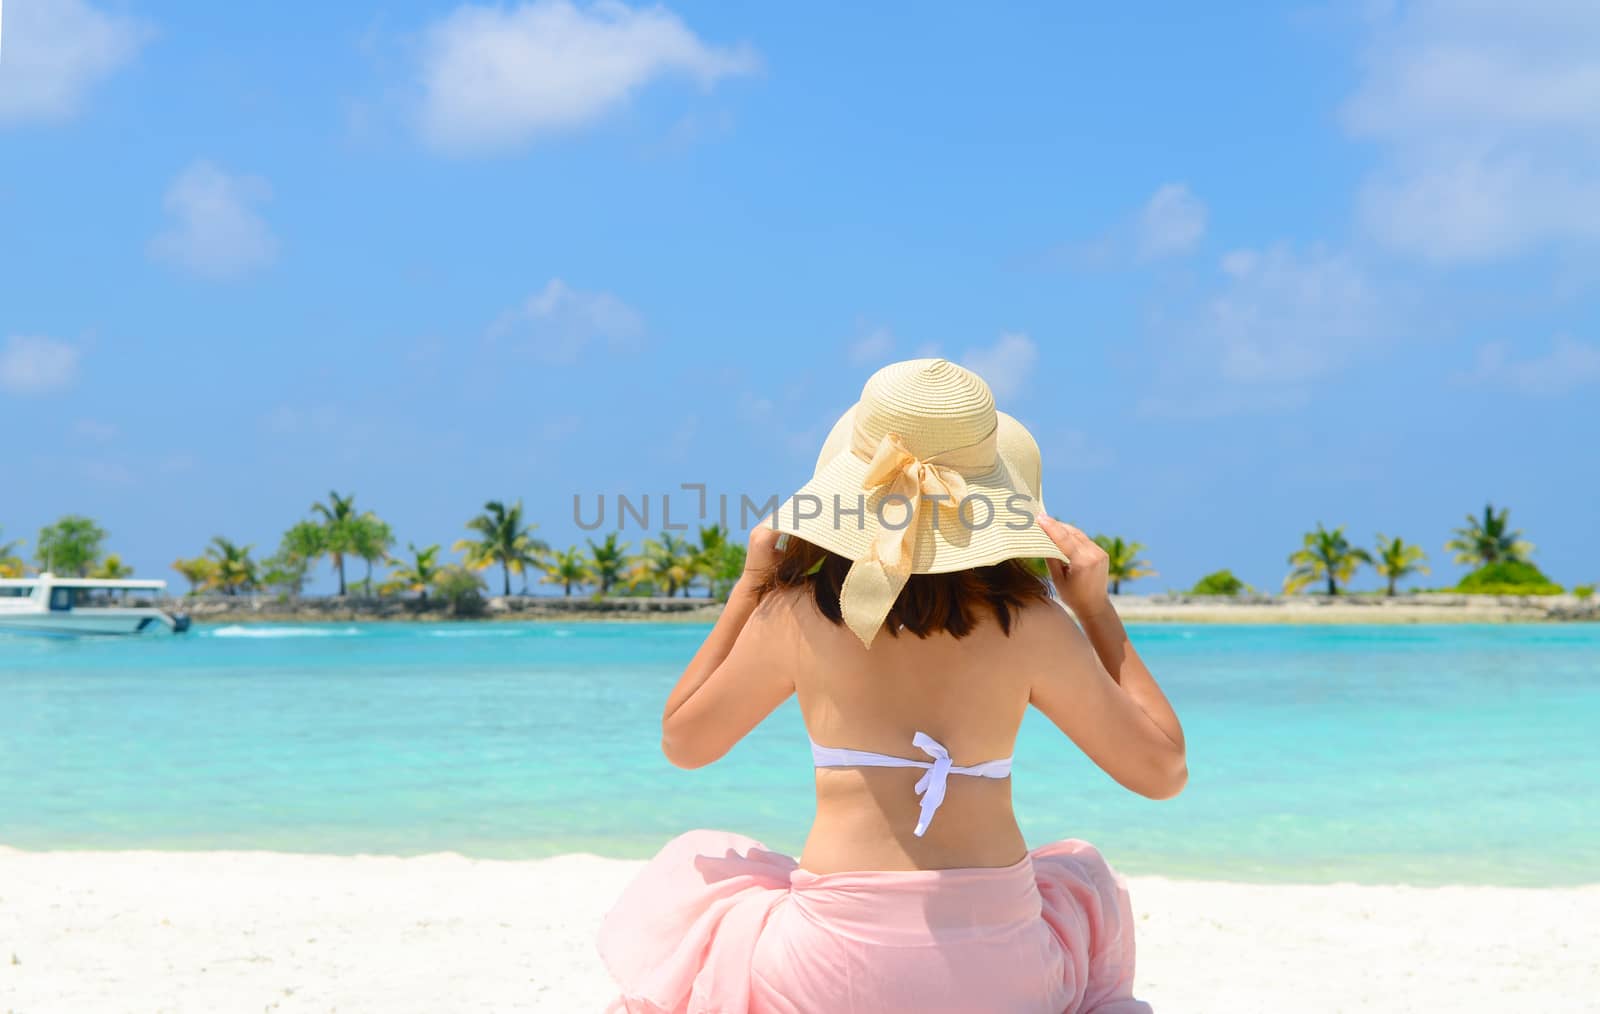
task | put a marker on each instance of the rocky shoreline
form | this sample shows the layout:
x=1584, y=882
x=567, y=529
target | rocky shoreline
x=1416, y=608
x=353, y=609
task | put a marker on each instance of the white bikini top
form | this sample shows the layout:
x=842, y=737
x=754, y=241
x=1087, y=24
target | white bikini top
x=930, y=786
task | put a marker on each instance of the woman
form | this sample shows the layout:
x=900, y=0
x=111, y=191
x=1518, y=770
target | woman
x=891, y=595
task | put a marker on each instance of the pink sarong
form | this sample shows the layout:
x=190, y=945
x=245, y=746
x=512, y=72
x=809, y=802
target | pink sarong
x=717, y=924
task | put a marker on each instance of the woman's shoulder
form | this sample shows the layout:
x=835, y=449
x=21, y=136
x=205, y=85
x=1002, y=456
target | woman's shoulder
x=1039, y=618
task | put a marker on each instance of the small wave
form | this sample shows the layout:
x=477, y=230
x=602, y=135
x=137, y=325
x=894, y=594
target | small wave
x=237, y=630
x=499, y=632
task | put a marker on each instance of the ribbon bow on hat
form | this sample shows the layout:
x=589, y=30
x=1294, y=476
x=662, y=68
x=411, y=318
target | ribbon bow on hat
x=875, y=580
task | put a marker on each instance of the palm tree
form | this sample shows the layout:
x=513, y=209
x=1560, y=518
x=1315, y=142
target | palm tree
x=419, y=573
x=719, y=560
x=10, y=563
x=112, y=567
x=200, y=571
x=299, y=548
x=284, y=572
x=566, y=567
x=70, y=546
x=504, y=540
x=1397, y=560
x=667, y=563
x=370, y=539
x=1489, y=539
x=235, y=569
x=730, y=566
x=338, y=539
x=607, y=562
x=1326, y=555
x=1124, y=564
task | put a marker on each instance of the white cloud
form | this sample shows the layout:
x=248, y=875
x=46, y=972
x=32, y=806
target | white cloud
x=114, y=473
x=1489, y=121
x=558, y=323
x=215, y=231
x=1569, y=364
x=1277, y=320
x=873, y=348
x=495, y=77
x=1006, y=365
x=295, y=419
x=34, y=365
x=752, y=408
x=1287, y=317
x=54, y=52
x=96, y=430
x=1171, y=222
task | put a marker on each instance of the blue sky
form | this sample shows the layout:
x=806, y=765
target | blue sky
x=1241, y=269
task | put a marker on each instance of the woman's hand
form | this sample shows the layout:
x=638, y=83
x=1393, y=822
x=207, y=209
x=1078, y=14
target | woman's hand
x=762, y=553
x=1082, y=583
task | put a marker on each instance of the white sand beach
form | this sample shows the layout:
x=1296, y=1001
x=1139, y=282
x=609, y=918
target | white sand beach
x=259, y=931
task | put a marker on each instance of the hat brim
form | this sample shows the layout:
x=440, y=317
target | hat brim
x=836, y=511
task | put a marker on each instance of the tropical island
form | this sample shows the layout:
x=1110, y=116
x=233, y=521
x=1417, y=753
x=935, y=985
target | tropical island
x=674, y=576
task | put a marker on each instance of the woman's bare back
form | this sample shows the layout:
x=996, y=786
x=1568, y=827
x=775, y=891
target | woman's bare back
x=968, y=693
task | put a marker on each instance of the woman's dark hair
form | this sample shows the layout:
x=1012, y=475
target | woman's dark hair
x=927, y=604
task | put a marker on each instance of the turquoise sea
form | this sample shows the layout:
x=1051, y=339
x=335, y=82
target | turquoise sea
x=1418, y=754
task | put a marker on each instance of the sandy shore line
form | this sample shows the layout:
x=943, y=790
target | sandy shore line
x=261, y=931
x=1160, y=610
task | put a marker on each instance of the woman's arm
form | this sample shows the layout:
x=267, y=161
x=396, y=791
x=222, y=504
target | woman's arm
x=1122, y=663
x=1093, y=684
x=716, y=647
x=737, y=678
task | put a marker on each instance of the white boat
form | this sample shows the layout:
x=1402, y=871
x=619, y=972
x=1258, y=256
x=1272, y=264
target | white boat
x=47, y=604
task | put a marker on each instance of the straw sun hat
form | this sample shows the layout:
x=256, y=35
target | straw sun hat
x=921, y=476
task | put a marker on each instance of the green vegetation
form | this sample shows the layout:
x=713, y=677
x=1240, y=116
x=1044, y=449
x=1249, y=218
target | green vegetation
x=718, y=560
x=608, y=563
x=1396, y=560
x=1324, y=556
x=1508, y=577
x=11, y=564
x=112, y=567
x=298, y=550
x=337, y=539
x=344, y=534
x=668, y=564
x=503, y=539
x=235, y=571
x=199, y=571
x=71, y=546
x=671, y=565
x=461, y=588
x=370, y=539
x=418, y=575
x=1489, y=539
x=1221, y=582
x=566, y=567
x=1125, y=564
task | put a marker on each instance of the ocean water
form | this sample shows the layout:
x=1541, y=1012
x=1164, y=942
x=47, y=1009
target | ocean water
x=1415, y=754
